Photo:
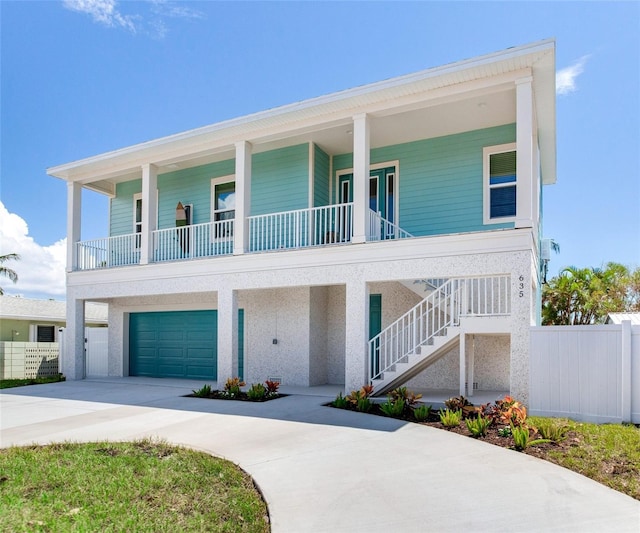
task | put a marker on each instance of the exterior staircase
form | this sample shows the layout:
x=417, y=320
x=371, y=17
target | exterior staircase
x=429, y=330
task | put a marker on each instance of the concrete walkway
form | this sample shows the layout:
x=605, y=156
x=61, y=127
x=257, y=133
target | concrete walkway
x=326, y=470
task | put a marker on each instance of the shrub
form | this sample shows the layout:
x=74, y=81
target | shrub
x=356, y=395
x=256, y=392
x=340, y=402
x=232, y=386
x=507, y=411
x=522, y=438
x=504, y=432
x=272, y=386
x=204, y=392
x=422, y=413
x=553, y=430
x=478, y=426
x=364, y=405
x=449, y=418
x=460, y=403
x=409, y=398
x=393, y=408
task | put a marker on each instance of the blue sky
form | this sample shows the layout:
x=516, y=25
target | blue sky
x=84, y=77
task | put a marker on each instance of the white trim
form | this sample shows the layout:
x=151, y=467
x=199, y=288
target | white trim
x=137, y=196
x=377, y=166
x=215, y=182
x=312, y=157
x=487, y=152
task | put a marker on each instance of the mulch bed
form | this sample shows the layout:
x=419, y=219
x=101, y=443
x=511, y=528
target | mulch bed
x=242, y=397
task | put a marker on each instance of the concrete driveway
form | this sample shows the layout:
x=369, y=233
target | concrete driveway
x=325, y=470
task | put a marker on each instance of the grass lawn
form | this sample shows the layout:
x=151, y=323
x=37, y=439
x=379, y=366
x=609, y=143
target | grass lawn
x=608, y=453
x=140, y=486
x=8, y=383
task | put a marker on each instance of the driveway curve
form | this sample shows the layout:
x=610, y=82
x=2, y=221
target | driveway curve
x=326, y=470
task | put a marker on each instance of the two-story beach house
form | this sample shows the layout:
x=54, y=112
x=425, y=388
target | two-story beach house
x=385, y=234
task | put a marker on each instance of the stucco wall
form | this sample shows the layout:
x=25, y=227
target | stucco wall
x=491, y=368
x=318, y=327
x=336, y=314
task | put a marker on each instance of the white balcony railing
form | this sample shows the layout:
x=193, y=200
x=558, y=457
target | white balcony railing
x=108, y=252
x=331, y=224
x=190, y=242
x=380, y=229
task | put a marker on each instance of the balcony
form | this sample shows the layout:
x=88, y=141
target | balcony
x=303, y=228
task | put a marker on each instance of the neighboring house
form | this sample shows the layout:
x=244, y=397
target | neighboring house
x=618, y=318
x=384, y=234
x=27, y=320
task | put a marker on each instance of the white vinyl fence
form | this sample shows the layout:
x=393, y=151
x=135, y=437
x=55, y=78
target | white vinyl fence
x=588, y=373
x=96, y=350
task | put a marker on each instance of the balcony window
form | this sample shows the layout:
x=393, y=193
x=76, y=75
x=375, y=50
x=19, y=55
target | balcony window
x=500, y=183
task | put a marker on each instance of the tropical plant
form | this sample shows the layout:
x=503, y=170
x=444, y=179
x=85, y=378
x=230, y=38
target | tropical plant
x=257, y=392
x=507, y=411
x=232, y=386
x=422, y=413
x=460, y=403
x=522, y=438
x=393, y=408
x=478, y=426
x=364, y=404
x=554, y=430
x=582, y=296
x=504, y=432
x=408, y=397
x=203, y=392
x=356, y=395
x=449, y=418
x=340, y=402
x=272, y=386
x=7, y=272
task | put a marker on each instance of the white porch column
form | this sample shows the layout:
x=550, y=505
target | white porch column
x=472, y=362
x=525, y=153
x=463, y=364
x=243, y=197
x=72, y=360
x=74, y=215
x=361, y=163
x=149, y=211
x=357, y=335
x=227, y=335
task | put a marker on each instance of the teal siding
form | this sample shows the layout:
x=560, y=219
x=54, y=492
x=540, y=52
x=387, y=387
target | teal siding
x=320, y=177
x=189, y=186
x=121, y=207
x=280, y=180
x=441, y=180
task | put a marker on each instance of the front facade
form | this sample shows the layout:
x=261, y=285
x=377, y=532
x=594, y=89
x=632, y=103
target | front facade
x=383, y=234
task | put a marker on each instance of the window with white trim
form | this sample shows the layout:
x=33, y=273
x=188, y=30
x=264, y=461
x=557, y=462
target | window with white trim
x=45, y=333
x=137, y=213
x=499, y=167
x=223, y=203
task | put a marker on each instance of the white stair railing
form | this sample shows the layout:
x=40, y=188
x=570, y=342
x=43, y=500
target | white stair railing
x=480, y=296
x=381, y=229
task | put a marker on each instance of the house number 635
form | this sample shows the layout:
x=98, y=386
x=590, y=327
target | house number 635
x=521, y=286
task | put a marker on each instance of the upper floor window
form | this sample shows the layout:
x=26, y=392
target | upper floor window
x=499, y=165
x=137, y=213
x=223, y=203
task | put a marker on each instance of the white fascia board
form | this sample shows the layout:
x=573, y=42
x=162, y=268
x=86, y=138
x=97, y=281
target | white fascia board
x=243, y=128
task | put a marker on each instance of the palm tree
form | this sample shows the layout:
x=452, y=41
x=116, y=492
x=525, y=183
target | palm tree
x=7, y=272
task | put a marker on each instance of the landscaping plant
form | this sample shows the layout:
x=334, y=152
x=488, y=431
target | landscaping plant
x=232, y=386
x=506, y=411
x=422, y=413
x=257, y=392
x=522, y=438
x=340, y=402
x=203, y=392
x=478, y=426
x=272, y=387
x=449, y=418
x=393, y=408
x=460, y=403
x=554, y=430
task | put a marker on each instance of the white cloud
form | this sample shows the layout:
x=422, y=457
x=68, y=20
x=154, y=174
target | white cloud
x=566, y=77
x=102, y=11
x=149, y=18
x=41, y=269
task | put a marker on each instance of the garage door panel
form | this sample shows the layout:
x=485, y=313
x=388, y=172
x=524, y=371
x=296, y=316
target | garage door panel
x=176, y=344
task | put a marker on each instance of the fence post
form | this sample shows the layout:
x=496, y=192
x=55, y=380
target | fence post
x=625, y=388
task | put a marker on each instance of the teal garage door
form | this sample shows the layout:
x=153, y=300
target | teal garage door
x=178, y=344
x=174, y=344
